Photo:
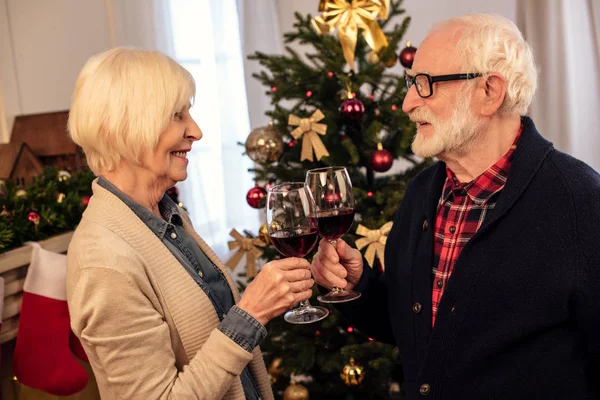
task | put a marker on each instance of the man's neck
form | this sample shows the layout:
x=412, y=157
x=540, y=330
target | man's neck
x=490, y=146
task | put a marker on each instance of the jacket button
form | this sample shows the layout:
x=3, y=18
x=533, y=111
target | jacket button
x=425, y=389
x=417, y=308
x=425, y=225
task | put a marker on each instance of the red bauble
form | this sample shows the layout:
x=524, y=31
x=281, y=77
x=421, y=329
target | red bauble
x=34, y=217
x=85, y=200
x=257, y=197
x=352, y=109
x=407, y=55
x=332, y=199
x=381, y=160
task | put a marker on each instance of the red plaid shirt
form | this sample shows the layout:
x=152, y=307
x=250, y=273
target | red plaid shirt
x=461, y=211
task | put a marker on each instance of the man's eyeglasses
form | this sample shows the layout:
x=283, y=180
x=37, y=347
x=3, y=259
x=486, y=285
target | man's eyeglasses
x=424, y=82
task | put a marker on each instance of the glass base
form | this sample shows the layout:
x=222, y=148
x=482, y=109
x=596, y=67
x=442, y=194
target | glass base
x=338, y=295
x=306, y=315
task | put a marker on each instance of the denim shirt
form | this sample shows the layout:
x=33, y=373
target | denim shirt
x=236, y=324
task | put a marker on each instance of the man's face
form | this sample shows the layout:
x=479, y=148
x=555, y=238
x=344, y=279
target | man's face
x=446, y=121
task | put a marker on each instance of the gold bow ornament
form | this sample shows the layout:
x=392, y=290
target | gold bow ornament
x=310, y=129
x=348, y=18
x=245, y=246
x=375, y=239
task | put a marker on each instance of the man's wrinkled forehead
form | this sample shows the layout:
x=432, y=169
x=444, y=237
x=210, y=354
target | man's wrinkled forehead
x=438, y=54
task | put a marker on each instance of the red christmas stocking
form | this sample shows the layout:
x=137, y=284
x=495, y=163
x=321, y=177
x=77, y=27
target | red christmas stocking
x=42, y=358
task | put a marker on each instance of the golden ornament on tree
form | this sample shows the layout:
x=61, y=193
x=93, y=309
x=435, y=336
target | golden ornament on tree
x=372, y=57
x=391, y=60
x=348, y=18
x=245, y=246
x=353, y=374
x=63, y=176
x=275, y=367
x=309, y=130
x=375, y=239
x=295, y=392
x=264, y=145
x=263, y=234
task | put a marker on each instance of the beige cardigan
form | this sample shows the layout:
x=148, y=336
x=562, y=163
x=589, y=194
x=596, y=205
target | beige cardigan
x=149, y=331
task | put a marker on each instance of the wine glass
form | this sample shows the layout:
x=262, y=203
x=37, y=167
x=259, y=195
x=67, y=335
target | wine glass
x=293, y=234
x=331, y=191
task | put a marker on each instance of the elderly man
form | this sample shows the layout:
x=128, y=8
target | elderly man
x=493, y=263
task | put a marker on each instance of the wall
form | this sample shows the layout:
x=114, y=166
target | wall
x=44, y=45
x=9, y=98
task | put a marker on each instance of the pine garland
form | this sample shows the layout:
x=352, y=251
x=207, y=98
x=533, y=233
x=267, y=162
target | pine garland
x=58, y=202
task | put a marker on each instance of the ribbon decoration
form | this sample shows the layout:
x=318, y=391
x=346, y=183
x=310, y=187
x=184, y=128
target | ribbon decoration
x=245, y=246
x=309, y=129
x=348, y=18
x=375, y=239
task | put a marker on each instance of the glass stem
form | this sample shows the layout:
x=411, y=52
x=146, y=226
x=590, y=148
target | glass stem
x=335, y=289
x=304, y=303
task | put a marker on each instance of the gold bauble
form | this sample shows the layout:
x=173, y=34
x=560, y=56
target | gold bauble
x=263, y=234
x=295, y=392
x=63, y=176
x=372, y=57
x=21, y=194
x=352, y=374
x=275, y=368
x=264, y=145
x=391, y=60
x=275, y=226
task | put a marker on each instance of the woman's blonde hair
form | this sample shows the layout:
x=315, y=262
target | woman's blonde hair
x=123, y=100
x=491, y=43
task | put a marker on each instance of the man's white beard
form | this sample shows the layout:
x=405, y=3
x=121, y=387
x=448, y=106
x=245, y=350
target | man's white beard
x=454, y=134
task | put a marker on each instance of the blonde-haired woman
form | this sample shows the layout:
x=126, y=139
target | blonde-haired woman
x=153, y=306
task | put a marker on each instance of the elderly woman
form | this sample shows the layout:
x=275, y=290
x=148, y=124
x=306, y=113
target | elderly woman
x=157, y=313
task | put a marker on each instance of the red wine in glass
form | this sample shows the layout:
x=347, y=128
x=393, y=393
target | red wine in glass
x=333, y=214
x=295, y=243
x=294, y=234
x=333, y=224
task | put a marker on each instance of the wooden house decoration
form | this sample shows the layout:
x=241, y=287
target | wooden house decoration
x=46, y=135
x=18, y=163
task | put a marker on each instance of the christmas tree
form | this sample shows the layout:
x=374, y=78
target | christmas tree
x=336, y=105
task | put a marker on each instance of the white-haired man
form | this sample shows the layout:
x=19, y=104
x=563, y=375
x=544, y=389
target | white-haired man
x=493, y=263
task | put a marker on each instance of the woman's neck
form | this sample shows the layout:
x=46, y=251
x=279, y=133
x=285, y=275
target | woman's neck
x=139, y=185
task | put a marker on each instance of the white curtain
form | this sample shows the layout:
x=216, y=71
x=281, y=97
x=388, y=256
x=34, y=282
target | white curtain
x=566, y=107
x=211, y=39
x=142, y=23
x=206, y=41
x=260, y=31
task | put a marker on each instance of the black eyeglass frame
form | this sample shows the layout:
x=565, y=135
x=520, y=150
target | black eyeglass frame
x=411, y=80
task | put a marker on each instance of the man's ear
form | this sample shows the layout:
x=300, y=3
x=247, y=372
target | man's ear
x=492, y=89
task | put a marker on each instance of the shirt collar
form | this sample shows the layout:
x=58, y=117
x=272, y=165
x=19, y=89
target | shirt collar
x=490, y=182
x=166, y=206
